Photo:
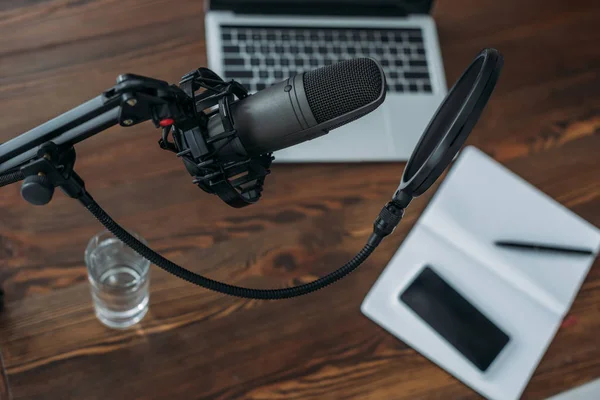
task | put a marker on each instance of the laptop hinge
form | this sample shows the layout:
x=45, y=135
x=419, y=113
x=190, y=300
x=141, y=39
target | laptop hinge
x=333, y=8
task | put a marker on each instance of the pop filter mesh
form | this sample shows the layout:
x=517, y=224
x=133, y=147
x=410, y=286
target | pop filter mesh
x=340, y=88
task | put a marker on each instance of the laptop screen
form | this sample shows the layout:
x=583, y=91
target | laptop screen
x=325, y=7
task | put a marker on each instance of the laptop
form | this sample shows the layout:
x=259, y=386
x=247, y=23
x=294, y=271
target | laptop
x=259, y=43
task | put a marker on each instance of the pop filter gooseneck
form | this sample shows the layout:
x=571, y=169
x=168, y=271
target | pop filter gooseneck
x=440, y=142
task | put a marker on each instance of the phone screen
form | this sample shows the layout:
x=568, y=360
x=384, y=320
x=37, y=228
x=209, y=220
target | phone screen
x=455, y=318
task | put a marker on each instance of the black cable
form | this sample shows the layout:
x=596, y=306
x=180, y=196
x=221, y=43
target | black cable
x=385, y=223
x=11, y=177
x=266, y=294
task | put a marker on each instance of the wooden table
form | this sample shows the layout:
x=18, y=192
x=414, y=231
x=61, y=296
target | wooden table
x=543, y=123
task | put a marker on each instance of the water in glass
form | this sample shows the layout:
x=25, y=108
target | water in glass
x=119, y=280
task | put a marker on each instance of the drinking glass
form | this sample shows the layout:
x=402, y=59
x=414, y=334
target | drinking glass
x=119, y=281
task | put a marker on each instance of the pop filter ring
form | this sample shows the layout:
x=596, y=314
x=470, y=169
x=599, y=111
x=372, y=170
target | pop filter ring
x=415, y=183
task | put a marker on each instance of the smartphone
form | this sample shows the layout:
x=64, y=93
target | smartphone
x=454, y=318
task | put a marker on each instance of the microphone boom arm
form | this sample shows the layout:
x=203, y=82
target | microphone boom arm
x=132, y=100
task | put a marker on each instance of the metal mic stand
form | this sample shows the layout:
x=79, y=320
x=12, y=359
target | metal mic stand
x=46, y=155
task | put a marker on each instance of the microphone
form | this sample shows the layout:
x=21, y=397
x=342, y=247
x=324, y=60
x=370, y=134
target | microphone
x=302, y=107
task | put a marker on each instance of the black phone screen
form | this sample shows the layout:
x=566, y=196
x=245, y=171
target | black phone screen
x=454, y=318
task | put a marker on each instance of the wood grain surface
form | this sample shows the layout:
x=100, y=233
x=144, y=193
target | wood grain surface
x=543, y=123
x=4, y=385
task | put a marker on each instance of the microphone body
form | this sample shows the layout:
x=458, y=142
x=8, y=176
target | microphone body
x=303, y=107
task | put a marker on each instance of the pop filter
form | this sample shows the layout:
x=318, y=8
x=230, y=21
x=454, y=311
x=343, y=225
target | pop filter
x=450, y=126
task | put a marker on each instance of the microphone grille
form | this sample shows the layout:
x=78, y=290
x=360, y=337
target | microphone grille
x=340, y=88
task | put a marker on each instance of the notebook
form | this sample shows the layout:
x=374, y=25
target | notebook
x=526, y=294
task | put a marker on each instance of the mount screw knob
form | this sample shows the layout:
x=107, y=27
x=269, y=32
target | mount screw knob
x=37, y=190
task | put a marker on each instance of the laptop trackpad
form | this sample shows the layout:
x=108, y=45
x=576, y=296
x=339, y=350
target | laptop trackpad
x=365, y=139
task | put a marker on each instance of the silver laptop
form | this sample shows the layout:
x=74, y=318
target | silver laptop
x=259, y=43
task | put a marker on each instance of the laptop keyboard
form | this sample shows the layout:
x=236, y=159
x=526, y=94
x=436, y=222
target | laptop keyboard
x=258, y=57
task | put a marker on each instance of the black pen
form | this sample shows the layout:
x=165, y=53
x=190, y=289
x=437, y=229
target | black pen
x=543, y=247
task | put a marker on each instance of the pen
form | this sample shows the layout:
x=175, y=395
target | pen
x=543, y=247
